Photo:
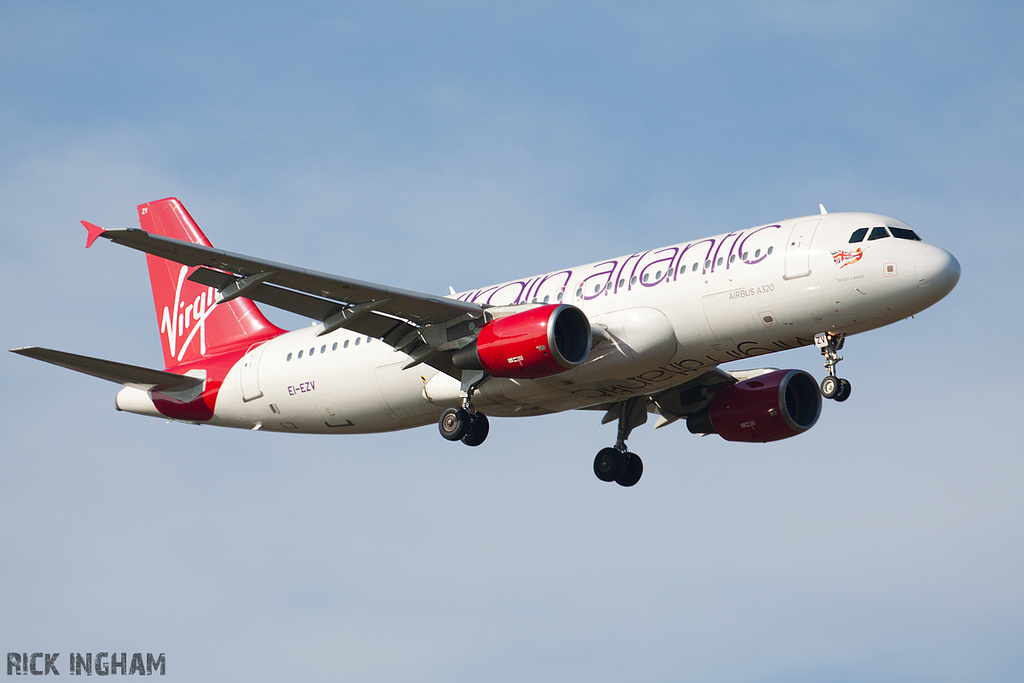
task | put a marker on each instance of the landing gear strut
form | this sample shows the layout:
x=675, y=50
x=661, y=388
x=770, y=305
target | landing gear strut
x=465, y=424
x=618, y=464
x=832, y=386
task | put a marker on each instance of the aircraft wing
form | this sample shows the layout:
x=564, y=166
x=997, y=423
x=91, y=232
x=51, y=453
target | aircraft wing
x=119, y=373
x=418, y=307
x=677, y=402
x=418, y=324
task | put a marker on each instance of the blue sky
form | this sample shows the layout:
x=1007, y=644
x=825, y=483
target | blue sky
x=428, y=145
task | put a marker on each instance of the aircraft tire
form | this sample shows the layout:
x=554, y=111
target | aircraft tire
x=844, y=391
x=610, y=464
x=830, y=386
x=634, y=470
x=454, y=423
x=478, y=430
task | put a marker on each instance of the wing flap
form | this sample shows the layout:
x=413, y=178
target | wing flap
x=119, y=373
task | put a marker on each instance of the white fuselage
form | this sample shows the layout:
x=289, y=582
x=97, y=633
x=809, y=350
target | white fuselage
x=667, y=315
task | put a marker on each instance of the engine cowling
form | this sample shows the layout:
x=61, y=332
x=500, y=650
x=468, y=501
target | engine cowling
x=773, y=406
x=536, y=343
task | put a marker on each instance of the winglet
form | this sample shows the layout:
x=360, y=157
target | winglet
x=94, y=232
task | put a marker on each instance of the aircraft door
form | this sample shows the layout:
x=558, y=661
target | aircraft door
x=798, y=249
x=249, y=374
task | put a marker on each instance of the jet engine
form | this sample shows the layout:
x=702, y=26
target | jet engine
x=535, y=343
x=769, y=407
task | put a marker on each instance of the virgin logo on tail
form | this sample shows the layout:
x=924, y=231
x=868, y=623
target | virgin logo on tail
x=183, y=318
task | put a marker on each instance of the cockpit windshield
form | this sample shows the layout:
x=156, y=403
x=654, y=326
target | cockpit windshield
x=858, y=235
x=904, y=234
x=882, y=232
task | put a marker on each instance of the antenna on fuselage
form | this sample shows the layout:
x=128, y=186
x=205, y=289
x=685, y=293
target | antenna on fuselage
x=822, y=207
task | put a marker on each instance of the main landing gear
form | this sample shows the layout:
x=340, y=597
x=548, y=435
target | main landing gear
x=459, y=424
x=618, y=464
x=465, y=424
x=832, y=386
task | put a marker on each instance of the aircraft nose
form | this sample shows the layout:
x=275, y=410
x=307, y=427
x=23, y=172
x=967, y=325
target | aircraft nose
x=937, y=270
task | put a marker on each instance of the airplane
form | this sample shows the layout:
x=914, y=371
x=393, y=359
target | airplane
x=631, y=336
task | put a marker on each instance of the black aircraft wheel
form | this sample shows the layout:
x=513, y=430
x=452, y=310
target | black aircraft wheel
x=610, y=464
x=454, y=424
x=477, y=431
x=844, y=391
x=634, y=470
x=830, y=387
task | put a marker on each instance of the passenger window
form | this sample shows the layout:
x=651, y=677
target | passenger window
x=311, y=351
x=695, y=267
x=358, y=339
x=334, y=346
x=345, y=345
x=877, y=234
x=719, y=261
x=579, y=292
x=770, y=250
x=559, y=297
x=707, y=264
x=669, y=273
x=323, y=349
x=744, y=256
x=300, y=355
x=757, y=254
x=904, y=234
x=546, y=297
x=597, y=288
x=732, y=259
x=644, y=278
x=682, y=269
x=657, y=276
x=288, y=357
x=858, y=235
x=632, y=281
x=622, y=283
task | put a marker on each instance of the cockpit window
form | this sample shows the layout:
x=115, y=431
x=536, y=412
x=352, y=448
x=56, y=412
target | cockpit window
x=904, y=234
x=877, y=234
x=858, y=235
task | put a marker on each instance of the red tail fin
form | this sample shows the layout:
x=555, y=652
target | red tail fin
x=191, y=325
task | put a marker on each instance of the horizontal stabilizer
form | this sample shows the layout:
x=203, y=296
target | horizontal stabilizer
x=119, y=373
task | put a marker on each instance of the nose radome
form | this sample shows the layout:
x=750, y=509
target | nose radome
x=937, y=270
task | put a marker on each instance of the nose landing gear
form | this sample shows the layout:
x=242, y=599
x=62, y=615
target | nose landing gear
x=832, y=386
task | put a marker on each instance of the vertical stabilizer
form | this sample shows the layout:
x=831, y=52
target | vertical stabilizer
x=191, y=325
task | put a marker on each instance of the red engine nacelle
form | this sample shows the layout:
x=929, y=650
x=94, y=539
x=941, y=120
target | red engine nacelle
x=536, y=343
x=773, y=406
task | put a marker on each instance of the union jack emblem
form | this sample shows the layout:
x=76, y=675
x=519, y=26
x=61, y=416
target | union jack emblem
x=845, y=258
